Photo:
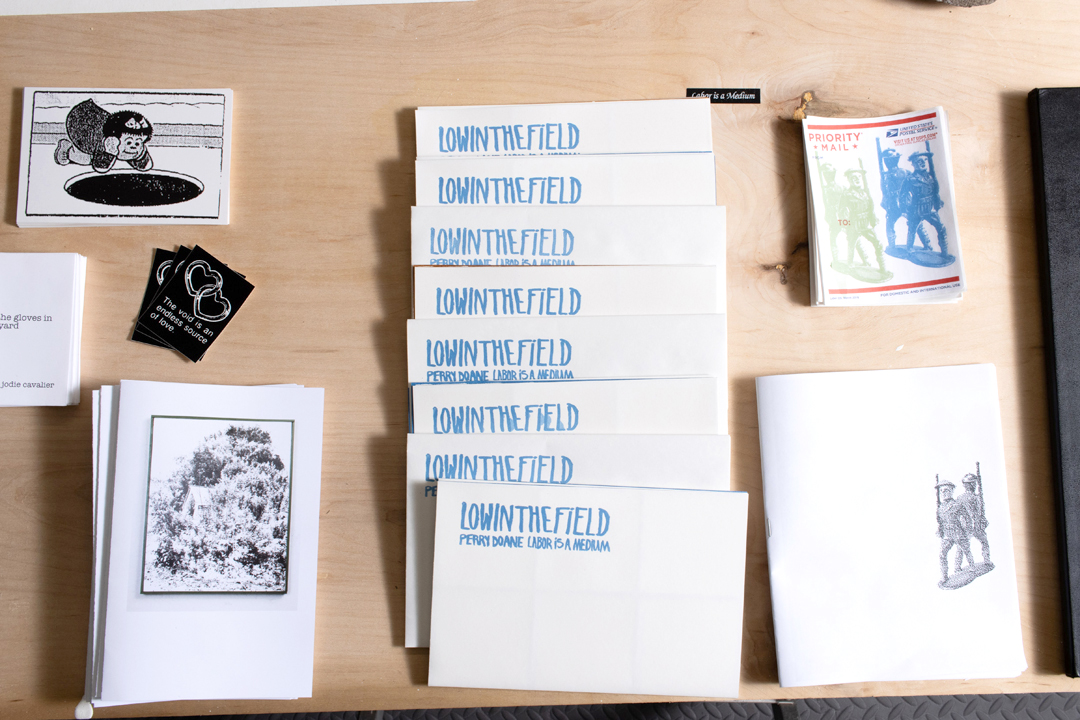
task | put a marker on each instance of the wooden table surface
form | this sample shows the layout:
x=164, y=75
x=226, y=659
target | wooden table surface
x=322, y=173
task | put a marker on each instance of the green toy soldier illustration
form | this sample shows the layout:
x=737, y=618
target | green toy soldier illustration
x=857, y=209
x=831, y=193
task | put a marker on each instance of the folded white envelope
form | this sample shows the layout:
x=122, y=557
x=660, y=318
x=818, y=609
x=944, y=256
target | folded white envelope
x=512, y=349
x=671, y=179
x=679, y=461
x=566, y=291
x=680, y=406
x=568, y=235
x=588, y=589
x=635, y=126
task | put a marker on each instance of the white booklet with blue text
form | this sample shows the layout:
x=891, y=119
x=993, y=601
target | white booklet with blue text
x=694, y=462
x=569, y=235
x=567, y=291
x=512, y=349
x=588, y=589
x=668, y=179
x=628, y=126
x=680, y=406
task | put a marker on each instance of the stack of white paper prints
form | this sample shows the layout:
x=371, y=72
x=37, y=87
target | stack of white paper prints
x=887, y=510
x=881, y=210
x=206, y=523
x=95, y=156
x=606, y=367
x=41, y=318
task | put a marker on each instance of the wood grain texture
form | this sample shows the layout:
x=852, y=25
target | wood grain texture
x=322, y=173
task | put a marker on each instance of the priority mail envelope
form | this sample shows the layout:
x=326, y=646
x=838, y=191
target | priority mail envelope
x=588, y=589
x=512, y=349
x=699, y=462
x=568, y=235
x=672, y=179
x=566, y=291
x=678, y=406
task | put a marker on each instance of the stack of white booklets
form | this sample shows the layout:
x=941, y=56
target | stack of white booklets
x=889, y=539
x=41, y=316
x=882, y=210
x=568, y=373
x=206, y=524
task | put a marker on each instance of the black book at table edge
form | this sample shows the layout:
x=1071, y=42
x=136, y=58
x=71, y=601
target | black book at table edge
x=1055, y=143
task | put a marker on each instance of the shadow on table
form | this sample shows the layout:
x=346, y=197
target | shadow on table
x=386, y=454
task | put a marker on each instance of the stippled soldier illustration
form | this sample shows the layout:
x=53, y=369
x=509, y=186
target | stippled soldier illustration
x=954, y=527
x=972, y=502
x=960, y=519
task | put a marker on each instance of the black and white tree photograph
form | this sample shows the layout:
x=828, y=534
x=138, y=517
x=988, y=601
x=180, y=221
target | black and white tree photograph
x=217, y=517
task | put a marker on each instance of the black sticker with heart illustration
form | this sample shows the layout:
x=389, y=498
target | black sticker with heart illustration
x=160, y=277
x=163, y=261
x=197, y=300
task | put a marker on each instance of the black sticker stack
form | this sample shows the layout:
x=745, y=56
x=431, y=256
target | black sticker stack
x=190, y=298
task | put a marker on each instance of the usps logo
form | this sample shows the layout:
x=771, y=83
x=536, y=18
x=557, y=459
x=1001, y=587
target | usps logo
x=892, y=133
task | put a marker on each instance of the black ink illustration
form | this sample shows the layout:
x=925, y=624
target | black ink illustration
x=99, y=138
x=116, y=154
x=914, y=195
x=218, y=506
x=959, y=520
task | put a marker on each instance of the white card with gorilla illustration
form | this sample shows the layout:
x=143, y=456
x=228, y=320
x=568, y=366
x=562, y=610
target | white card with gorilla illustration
x=124, y=157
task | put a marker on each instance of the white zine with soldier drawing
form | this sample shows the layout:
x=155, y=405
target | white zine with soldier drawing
x=888, y=525
x=206, y=560
x=124, y=157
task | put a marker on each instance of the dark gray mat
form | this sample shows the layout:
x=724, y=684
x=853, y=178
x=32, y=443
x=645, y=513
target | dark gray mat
x=1041, y=706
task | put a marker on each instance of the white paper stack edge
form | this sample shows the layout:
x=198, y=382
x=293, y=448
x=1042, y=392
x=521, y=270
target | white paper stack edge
x=175, y=614
x=41, y=318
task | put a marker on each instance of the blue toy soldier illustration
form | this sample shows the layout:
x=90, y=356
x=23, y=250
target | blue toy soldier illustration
x=892, y=182
x=959, y=520
x=892, y=179
x=920, y=198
